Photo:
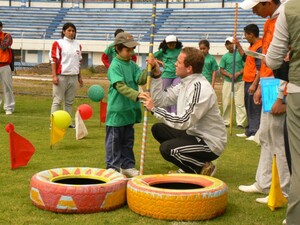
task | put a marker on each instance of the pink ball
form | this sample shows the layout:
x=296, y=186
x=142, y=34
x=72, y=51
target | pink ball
x=85, y=111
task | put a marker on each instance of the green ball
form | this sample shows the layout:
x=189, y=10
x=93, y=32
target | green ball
x=96, y=93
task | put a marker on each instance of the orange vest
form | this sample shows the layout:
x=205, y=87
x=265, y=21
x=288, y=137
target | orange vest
x=269, y=28
x=5, y=55
x=250, y=66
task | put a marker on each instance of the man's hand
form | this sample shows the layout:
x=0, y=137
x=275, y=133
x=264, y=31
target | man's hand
x=154, y=64
x=80, y=81
x=146, y=99
x=55, y=79
x=278, y=107
x=257, y=96
x=252, y=89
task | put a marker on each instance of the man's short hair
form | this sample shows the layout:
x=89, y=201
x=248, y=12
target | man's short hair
x=252, y=29
x=1, y=25
x=194, y=58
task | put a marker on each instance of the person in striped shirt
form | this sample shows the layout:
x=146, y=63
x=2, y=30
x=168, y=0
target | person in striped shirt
x=196, y=135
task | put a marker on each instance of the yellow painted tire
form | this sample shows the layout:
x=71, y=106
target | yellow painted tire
x=203, y=203
x=109, y=193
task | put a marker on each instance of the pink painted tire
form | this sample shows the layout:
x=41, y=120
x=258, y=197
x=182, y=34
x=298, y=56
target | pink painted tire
x=186, y=197
x=106, y=192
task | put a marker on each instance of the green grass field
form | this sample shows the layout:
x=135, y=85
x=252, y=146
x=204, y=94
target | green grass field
x=31, y=119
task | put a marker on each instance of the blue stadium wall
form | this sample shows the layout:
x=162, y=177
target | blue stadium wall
x=35, y=28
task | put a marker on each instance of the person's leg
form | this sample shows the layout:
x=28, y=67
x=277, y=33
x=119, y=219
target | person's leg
x=264, y=169
x=188, y=153
x=287, y=146
x=239, y=102
x=254, y=115
x=113, y=148
x=226, y=92
x=246, y=101
x=173, y=108
x=127, y=155
x=293, y=122
x=161, y=132
x=176, y=81
x=166, y=83
x=70, y=94
x=277, y=148
x=9, y=99
x=58, y=93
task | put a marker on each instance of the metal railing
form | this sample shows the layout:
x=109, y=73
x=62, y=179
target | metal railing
x=114, y=2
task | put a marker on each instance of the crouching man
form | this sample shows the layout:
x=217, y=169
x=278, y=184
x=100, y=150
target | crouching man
x=196, y=135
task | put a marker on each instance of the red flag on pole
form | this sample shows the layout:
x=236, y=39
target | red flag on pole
x=21, y=149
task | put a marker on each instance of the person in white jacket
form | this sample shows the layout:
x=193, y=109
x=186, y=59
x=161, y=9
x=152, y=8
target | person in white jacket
x=196, y=135
x=65, y=57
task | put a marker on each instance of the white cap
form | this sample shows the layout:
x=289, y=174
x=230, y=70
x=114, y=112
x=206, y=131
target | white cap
x=230, y=39
x=171, y=38
x=249, y=4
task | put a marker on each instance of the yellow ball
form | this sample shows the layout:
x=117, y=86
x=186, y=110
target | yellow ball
x=61, y=119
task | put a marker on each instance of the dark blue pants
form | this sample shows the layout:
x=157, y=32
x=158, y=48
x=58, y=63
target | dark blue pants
x=253, y=112
x=119, y=147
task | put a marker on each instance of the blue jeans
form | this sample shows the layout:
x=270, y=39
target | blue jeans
x=119, y=147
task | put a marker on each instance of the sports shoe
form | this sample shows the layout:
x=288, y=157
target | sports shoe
x=176, y=171
x=250, y=138
x=263, y=200
x=284, y=222
x=240, y=127
x=250, y=189
x=209, y=169
x=131, y=172
x=243, y=135
x=72, y=126
x=8, y=112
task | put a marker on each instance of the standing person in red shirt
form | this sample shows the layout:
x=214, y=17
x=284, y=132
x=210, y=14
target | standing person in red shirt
x=5, y=71
x=251, y=78
x=65, y=57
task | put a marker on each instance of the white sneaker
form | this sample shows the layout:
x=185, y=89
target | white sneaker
x=249, y=189
x=243, y=135
x=131, y=172
x=250, y=138
x=263, y=200
x=284, y=222
x=8, y=112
